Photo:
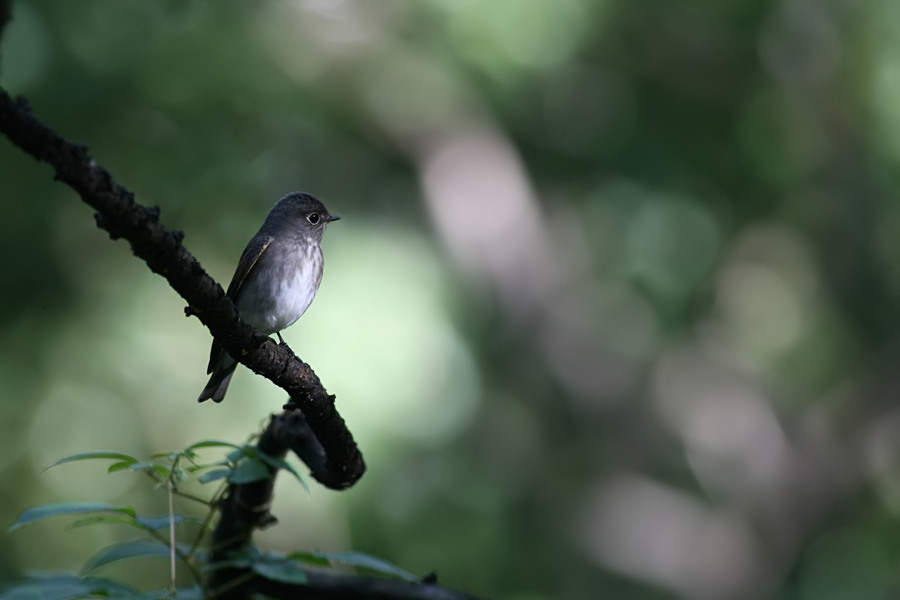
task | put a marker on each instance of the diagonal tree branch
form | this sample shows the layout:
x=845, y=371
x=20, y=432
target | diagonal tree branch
x=162, y=250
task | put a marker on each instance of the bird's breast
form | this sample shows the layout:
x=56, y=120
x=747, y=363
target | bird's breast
x=281, y=291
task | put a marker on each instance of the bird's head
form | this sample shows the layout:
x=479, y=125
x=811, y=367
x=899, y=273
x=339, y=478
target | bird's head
x=303, y=211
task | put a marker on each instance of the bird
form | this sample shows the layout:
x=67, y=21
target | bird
x=276, y=279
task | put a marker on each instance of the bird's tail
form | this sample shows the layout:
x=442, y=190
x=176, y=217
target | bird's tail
x=218, y=383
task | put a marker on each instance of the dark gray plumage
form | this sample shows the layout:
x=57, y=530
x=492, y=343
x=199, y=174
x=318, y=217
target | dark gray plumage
x=276, y=278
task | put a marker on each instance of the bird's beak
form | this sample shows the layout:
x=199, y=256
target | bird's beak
x=333, y=218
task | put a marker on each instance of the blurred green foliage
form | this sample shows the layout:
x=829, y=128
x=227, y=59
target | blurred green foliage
x=611, y=312
x=182, y=539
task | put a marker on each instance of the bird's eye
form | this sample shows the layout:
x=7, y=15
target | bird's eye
x=313, y=218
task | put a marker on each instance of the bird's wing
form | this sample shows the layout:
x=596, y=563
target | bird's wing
x=252, y=253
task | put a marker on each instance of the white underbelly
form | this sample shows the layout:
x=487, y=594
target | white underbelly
x=295, y=296
x=271, y=306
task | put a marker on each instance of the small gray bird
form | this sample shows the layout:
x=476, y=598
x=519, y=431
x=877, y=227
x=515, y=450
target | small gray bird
x=276, y=279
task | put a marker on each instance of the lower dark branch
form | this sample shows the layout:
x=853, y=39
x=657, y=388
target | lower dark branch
x=162, y=250
x=245, y=508
x=331, y=586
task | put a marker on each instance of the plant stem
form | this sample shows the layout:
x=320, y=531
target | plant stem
x=172, y=535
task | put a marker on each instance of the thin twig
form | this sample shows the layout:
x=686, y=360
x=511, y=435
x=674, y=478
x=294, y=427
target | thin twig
x=184, y=558
x=188, y=496
x=214, y=508
x=172, y=536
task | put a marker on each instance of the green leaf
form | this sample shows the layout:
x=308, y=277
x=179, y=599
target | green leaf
x=109, y=588
x=47, y=588
x=311, y=558
x=280, y=463
x=199, y=467
x=358, y=559
x=240, y=452
x=168, y=455
x=63, y=587
x=102, y=520
x=133, y=549
x=239, y=563
x=210, y=444
x=119, y=466
x=243, y=558
x=172, y=456
x=162, y=521
x=36, y=513
x=147, y=465
x=141, y=523
x=283, y=570
x=91, y=456
x=248, y=471
x=214, y=475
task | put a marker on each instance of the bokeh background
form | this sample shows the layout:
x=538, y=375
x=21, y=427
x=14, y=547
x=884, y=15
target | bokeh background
x=613, y=311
